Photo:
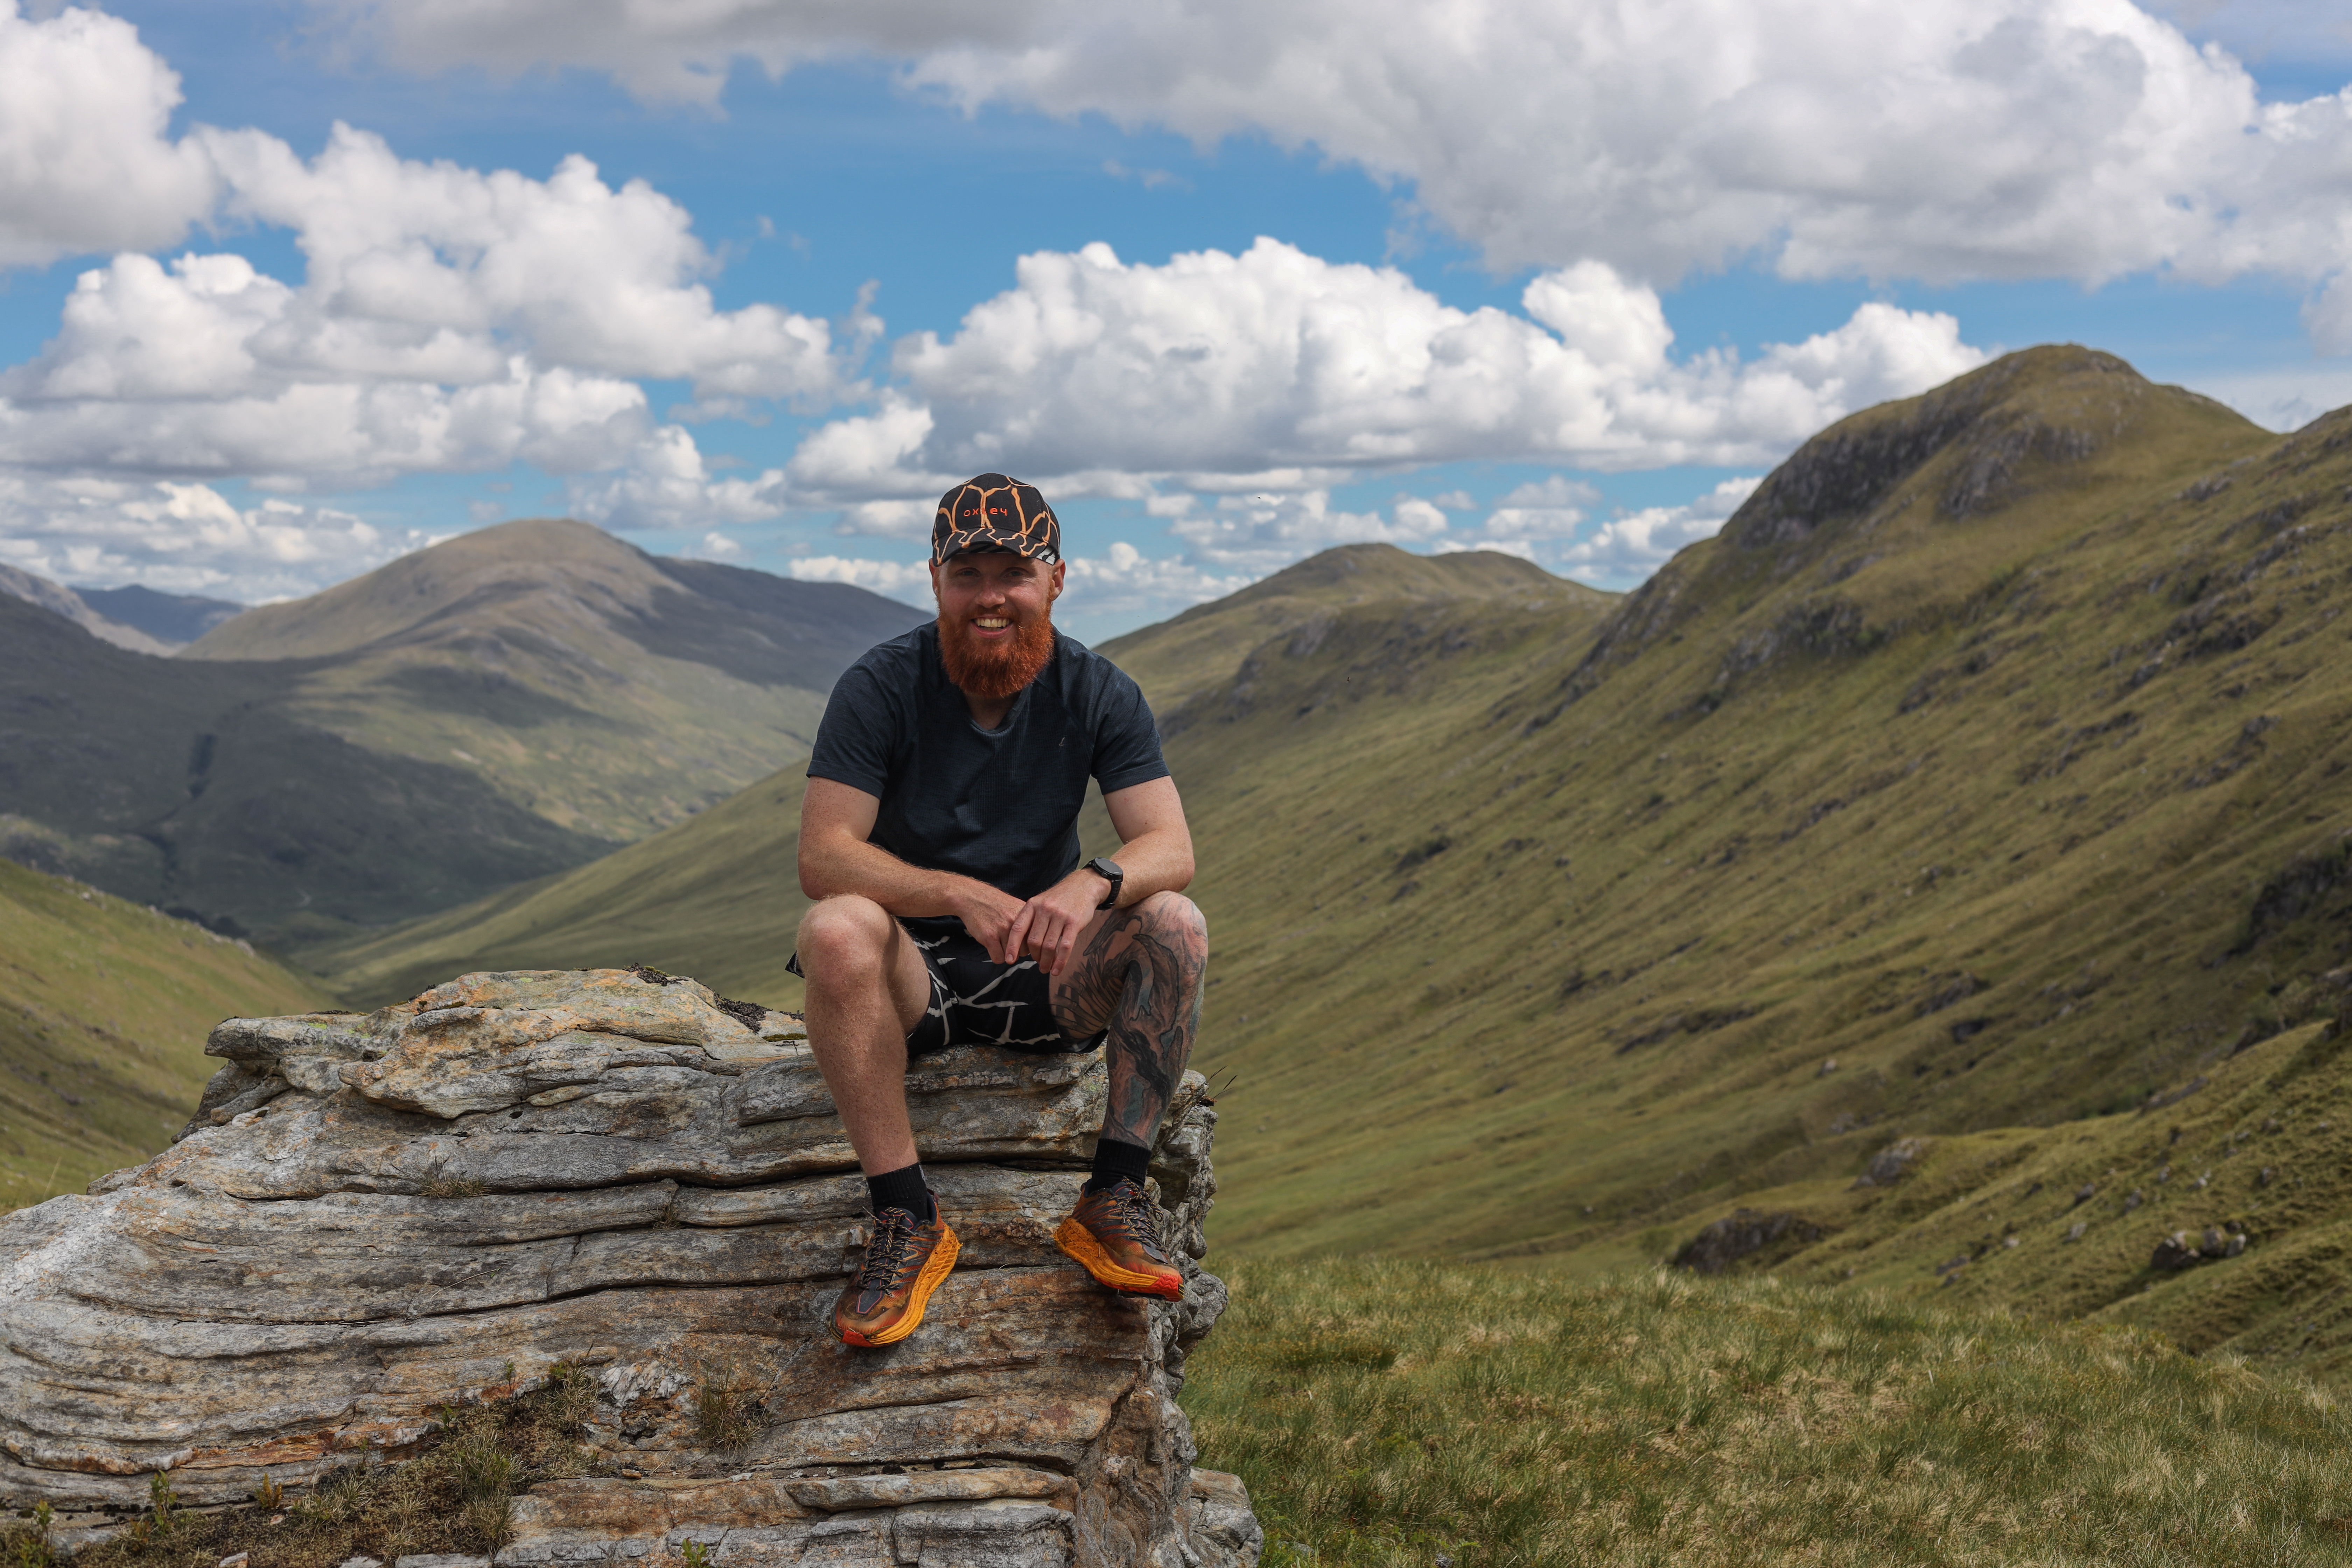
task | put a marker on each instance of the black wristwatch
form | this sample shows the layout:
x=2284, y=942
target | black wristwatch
x=1109, y=872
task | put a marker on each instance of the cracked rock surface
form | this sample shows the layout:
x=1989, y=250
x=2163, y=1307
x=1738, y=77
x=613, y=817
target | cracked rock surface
x=375, y=1216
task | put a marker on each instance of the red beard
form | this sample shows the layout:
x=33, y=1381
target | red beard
x=993, y=670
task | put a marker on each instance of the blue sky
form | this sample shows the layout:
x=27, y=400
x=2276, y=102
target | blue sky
x=1456, y=340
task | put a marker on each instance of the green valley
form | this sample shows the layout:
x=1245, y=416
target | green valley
x=1981, y=781
x=504, y=705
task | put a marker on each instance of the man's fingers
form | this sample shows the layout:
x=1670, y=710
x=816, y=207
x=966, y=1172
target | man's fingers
x=1015, y=936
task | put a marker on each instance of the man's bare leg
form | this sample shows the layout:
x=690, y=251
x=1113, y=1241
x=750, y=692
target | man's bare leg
x=867, y=987
x=1137, y=974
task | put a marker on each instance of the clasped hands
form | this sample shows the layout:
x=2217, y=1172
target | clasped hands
x=1046, y=928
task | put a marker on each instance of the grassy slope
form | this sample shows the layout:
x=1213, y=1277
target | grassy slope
x=2061, y=1221
x=1202, y=648
x=504, y=705
x=1995, y=751
x=579, y=677
x=1400, y=1412
x=104, y=1007
x=1659, y=908
x=716, y=897
x=189, y=786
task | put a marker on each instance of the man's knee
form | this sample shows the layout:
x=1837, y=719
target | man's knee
x=1176, y=921
x=845, y=936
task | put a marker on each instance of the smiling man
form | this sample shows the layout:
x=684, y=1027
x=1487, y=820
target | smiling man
x=939, y=840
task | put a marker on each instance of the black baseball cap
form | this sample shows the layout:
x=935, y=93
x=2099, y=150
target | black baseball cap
x=992, y=512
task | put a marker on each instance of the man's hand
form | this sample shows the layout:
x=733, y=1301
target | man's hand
x=1049, y=924
x=993, y=917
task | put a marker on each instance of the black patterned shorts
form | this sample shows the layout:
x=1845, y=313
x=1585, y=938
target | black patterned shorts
x=977, y=1003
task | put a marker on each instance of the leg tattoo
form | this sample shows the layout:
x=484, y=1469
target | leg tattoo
x=1139, y=976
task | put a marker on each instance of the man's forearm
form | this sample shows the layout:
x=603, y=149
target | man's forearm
x=871, y=871
x=1160, y=861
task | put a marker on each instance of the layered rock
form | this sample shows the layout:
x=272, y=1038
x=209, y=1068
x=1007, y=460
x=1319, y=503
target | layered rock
x=374, y=1218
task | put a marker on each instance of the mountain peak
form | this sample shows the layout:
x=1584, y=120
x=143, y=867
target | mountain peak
x=1382, y=571
x=2060, y=415
x=534, y=556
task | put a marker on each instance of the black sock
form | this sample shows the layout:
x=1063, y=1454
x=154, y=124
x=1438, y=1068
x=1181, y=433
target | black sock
x=902, y=1189
x=1116, y=1162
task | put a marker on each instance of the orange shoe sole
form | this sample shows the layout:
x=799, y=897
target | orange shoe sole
x=935, y=1268
x=1079, y=1243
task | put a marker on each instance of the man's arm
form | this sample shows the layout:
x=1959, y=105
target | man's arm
x=836, y=857
x=1155, y=853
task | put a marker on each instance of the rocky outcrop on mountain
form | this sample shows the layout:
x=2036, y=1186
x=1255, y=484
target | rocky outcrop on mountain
x=376, y=1220
x=1747, y=1235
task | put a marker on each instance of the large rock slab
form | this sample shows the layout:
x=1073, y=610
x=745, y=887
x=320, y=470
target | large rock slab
x=373, y=1218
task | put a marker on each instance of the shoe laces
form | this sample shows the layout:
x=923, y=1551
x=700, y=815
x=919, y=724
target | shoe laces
x=885, y=1251
x=1132, y=1207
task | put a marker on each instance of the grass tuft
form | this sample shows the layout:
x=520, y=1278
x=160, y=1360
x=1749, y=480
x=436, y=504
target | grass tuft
x=727, y=1408
x=1386, y=1412
x=438, y=1186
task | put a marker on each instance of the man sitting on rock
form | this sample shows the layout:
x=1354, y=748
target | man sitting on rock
x=939, y=841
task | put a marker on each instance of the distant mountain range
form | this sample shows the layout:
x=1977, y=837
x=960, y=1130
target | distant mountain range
x=140, y=619
x=503, y=705
x=1986, y=780
x=175, y=619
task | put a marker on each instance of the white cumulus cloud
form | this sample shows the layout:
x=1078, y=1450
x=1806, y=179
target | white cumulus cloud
x=185, y=538
x=1627, y=549
x=1123, y=580
x=1940, y=138
x=907, y=580
x=450, y=320
x=664, y=483
x=1553, y=507
x=1258, y=533
x=86, y=163
x=1279, y=370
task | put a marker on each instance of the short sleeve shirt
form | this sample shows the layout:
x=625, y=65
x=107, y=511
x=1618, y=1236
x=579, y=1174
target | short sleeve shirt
x=997, y=805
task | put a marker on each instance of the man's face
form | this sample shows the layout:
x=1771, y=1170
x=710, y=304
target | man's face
x=996, y=619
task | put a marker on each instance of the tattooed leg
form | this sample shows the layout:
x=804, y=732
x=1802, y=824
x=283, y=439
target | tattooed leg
x=1138, y=975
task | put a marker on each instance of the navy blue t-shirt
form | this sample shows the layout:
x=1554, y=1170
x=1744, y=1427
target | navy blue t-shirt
x=1001, y=806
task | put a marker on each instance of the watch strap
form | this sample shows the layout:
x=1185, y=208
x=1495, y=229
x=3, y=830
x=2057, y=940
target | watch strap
x=1108, y=870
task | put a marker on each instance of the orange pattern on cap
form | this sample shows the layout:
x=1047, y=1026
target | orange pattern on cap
x=995, y=511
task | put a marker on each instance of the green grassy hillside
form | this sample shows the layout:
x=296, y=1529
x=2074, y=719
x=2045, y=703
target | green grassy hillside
x=104, y=1007
x=1995, y=752
x=718, y=897
x=1204, y=648
x=504, y=705
x=1399, y=1413
x=609, y=691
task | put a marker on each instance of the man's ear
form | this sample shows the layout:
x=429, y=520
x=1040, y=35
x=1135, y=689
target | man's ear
x=1054, y=584
x=934, y=582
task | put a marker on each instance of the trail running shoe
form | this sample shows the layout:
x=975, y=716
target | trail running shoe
x=904, y=1264
x=1115, y=1232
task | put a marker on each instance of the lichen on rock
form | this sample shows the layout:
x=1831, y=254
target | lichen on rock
x=373, y=1218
